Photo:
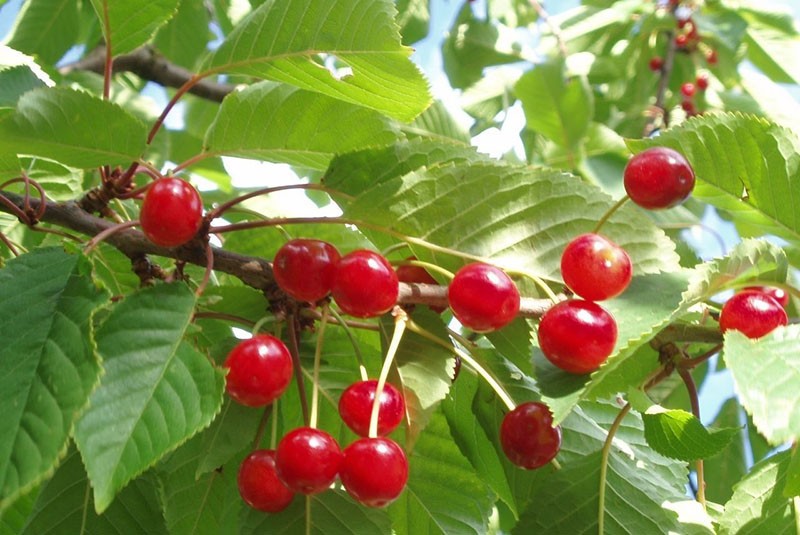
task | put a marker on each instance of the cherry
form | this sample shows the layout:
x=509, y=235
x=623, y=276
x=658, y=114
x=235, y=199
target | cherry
x=374, y=471
x=656, y=63
x=259, y=485
x=689, y=107
x=711, y=57
x=681, y=41
x=482, y=297
x=365, y=284
x=259, y=370
x=577, y=336
x=701, y=82
x=528, y=437
x=416, y=274
x=305, y=268
x=688, y=89
x=308, y=460
x=595, y=268
x=753, y=313
x=778, y=294
x=171, y=213
x=355, y=407
x=658, y=178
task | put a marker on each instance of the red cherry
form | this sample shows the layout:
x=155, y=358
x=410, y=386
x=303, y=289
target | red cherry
x=308, y=460
x=259, y=370
x=688, y=89
x=577, y=336
x=365, y=284
x=374, y=471
x=778, y=294
x=595, y=268
x=259, y=485
x=753, y=313
x=701, y=81
x=528, y=437
x=689, y=107
x=355, y=407
x=712, y=57
x=416, y=274
x=171, y=213
x=305, y=268
x=658, y=178
x=483, y=298
x=656, y=63
x=681, y=41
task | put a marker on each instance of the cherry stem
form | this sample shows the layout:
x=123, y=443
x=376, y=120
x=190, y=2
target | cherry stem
x=689, y=363
x=400, y=322
x=222, y=208
x=190, y=83
x=262, y=425
x=691, y=389
x=601, y=510
x=91, y=244
x=273, y=433
x=260, y=323
x=538, y=281
x=222, y=316
x=109, y=60
x=312, y=422
x=191, y=161
x=616, y=206
x=425, y=265
x=8, y=244
x=471, y=362
x=393, y=248
x=356, y=349
x=294, y=350
x=208, y=271
x=15, y=210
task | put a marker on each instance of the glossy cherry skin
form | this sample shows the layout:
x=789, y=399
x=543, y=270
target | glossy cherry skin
x=482, y=297
x=778, y=294
x=305, y=268
x=701, y=82
x=577, y=336
x=308, y=460
x=355, y=407
x=171, y=213
x=658, y=178
x=416, y=274
x=528, y=437
x=365, y=284
x=259, y=370
x=753, y=313
x=595, y=268
x=374, y=471
x=688, y=89
x=259, y=485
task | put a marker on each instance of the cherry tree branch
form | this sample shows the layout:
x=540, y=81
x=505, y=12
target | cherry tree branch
x=147, y=63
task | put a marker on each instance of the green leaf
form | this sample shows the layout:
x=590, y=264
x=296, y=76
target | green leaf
x=65, y=506
x=745, y=165
x=792, y=486
x=757, y=505
x=184, y=38
x=414, y=18
x=72, y=127
x=765, y=373
x=519, y=217
x=561, y=109
x=729, y=466
x=774, y=52
x=332, y=513
x=227, y=436
x=128, y=24
x=443, y=494
x=320, y=126
x=16, y=81
x=677, y=434
x=474, y=44
x=284, y=41
x=157, y=390
x=45, y=28
x=47, y=363
x=14, y=518
x=198, y=505
x=437, y=122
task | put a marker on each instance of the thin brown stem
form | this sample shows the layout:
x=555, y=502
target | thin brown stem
x=171, y=104
x=91, y=244
x=108, y=65
x=262, y=425
x=222, y=208
x=294, y=350
x=8, y=244
x=689, y=363
x=191, y=161
x=691, y=389
x=554, y=29
x=208, y=271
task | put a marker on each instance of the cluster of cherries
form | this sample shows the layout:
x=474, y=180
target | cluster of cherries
x=577, y=335
x=688, y=41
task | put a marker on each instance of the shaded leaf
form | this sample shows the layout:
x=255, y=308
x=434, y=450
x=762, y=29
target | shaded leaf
x=128, y=24
x=48, y=365
x=72, y=127
x=157, y=390
x=731, y=465
x=45, y=28
x=227, y=436
x=184, y=38
x=286, y=41
x=281, y=123
x=677, y=434
x=16, y=81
